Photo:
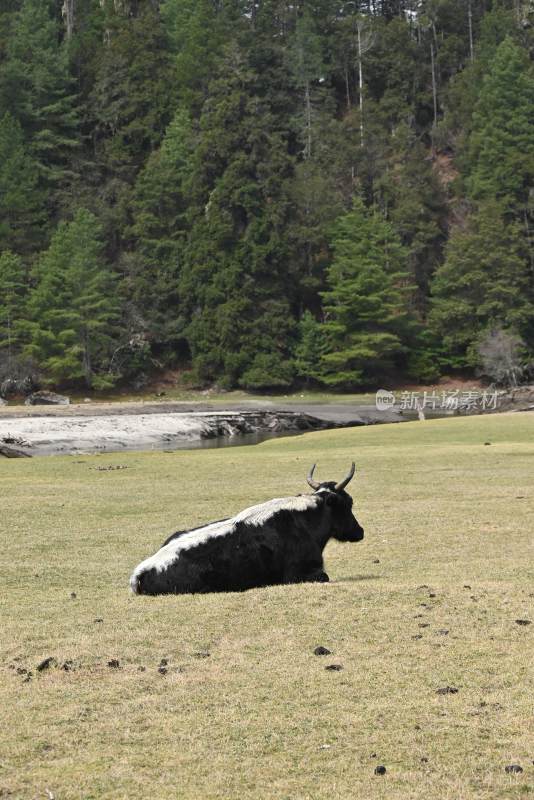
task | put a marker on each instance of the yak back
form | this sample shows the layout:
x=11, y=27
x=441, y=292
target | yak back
x=177, y=534
x=286, y=515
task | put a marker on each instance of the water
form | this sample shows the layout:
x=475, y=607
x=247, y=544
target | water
x=239, y=440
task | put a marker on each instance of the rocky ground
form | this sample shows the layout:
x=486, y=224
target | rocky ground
x=520, y=399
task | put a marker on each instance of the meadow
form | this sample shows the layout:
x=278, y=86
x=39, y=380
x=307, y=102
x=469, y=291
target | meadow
x=219, y=697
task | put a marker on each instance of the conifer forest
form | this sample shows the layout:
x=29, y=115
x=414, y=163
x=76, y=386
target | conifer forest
x=266, y=194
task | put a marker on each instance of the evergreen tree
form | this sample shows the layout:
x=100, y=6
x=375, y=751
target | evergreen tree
x=366, y=318
x=235, y=289
x=132, y=95
x=13, y=288
x=129, y=107
x=501, y=147
x=461, y=94
x=37, y=89
x=311, y=347
x=394, y=76
x=7, y=16
x=316, y=202
x=72, y=308
x=415, y=203
x=217, y=144
x=20, y=197
x=482, y=285
x=158, y=235
x=197, y=30
x=308, y=68
x=315, y=194
x=159, y=205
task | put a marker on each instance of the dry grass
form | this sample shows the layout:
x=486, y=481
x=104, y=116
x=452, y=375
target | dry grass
x=260, y=717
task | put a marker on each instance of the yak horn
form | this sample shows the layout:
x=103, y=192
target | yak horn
x=312, y=483
x=344, y=482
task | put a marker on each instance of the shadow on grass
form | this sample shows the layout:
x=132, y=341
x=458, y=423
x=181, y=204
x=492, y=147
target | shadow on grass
x=354, y=578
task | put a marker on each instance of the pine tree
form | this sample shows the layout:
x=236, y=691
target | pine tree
x=365, y=305
x=312, y=346
x=316, y=203
x=197, y=31
x=158, y=234
x=159, y=205
x=393, y=71
x=37, y=88
x=235, y=289
x=501, y=146
x=416, y=207
x=308, y=68
x=314, y=191
x=7, y=16
x=482, y=285
x=461, y=94
x=132, y=95
x=72, y=308
x=20, y=197
x=129, y=108
x=13, y=289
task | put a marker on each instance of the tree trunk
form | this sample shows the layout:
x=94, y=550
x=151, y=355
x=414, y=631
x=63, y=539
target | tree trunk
x=308, y=145
x=529, y=241
x=67, y=12
x=435, y=35
x=9, y=345
x=87, y=367
x=470, y=22
x=434, y=88
x=360, y=81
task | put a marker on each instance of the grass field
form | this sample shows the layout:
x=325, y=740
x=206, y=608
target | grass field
x=245, y=710
x=237, y=396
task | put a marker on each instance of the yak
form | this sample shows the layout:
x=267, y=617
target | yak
x=280, y=541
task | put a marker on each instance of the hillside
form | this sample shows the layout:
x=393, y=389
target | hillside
x=264, y=195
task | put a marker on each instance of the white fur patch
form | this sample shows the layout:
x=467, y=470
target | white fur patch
x=255, y=515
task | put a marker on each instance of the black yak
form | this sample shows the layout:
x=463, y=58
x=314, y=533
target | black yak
x=279, y=541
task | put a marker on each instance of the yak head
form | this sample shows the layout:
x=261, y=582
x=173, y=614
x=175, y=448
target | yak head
x=344, y=525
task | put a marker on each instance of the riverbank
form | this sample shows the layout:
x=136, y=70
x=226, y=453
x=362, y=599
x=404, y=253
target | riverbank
x=116, y=427
x=170, y=424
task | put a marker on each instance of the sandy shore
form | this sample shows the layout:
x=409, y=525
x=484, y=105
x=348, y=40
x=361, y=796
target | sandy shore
x=77, y=434
x=115, y=427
